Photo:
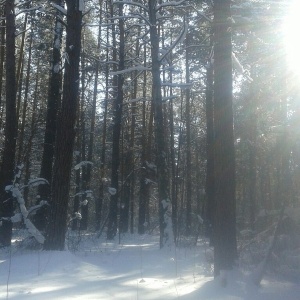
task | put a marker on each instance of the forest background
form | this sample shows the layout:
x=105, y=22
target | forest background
x=127, y=130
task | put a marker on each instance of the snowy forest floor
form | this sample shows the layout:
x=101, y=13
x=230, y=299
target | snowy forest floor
x=133, y=269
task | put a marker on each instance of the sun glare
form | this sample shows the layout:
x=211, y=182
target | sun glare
x=292, y=36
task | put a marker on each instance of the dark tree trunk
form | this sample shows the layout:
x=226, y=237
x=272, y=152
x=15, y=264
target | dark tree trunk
x=8, y=156
x=83, y=140
x=20, y=156
x=57, y=226
x=78, y=195
x=145, y=156
x=33, y=127
x=53, y=103
x=2, y=55
x=188, y=145
x=225, y=215
x=117, y=125
x=160, y=139
x=99, y=199
x=125, y=198
x=173, y=171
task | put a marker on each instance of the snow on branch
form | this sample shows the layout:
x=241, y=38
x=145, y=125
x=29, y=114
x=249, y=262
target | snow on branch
x=164, y=99
x=142, y=17
x=137, y=100
x=18, y=4
x=130, y=16
x=112, y=191
x=14, y=189
x=81, y=5
x=171, y=3
x=26, y=10
x=33, y=209
x=240, y=68
x=179, y=85
x=131, y=3
x=137, y=68
x=59, y=8
x=83, y=163
x=37, y=182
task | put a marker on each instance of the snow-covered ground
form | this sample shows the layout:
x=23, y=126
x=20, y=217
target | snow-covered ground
x=134, y=269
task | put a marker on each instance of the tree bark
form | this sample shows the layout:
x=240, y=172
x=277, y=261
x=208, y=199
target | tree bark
x=165, y=222
x=2, y=56
x=210, y=180
x=188, y=145
x=56, y=229
x=225, y=215
x=117, y=125
x=8, y=156
x=53, y=104
x=100, y=198
x=20, y=156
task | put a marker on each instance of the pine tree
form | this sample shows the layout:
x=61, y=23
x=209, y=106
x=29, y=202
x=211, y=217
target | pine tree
x=225, y=247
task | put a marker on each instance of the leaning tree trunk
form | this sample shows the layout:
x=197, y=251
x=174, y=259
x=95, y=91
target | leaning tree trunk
x=57, y=226
x=165, y=223
x=225, y=216
x=8, y=157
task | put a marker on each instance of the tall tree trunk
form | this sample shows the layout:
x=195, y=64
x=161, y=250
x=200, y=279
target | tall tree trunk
x=78, y=195
x=145, y=156
x=8, y=156
x=225, y=216
x=165, y=222
x=125, y=197
x=100, y=198
x=57, y=226
x=83, y=118
x=2, y=56
x=251, y=107
x=25, y=103
x=188, y=144
x=210, y=175
x=20, y=65
x=117, y=125
x=33, y=127
x=53, y=104
x=173, y=171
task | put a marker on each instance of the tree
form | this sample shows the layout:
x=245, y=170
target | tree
x=225, y=248
x=210, y=176
x=117, y=125
x=188, y=142
x=2, y=56
x=53, y=103
x=8, y=157
x=165, y=223
x=56, y=228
